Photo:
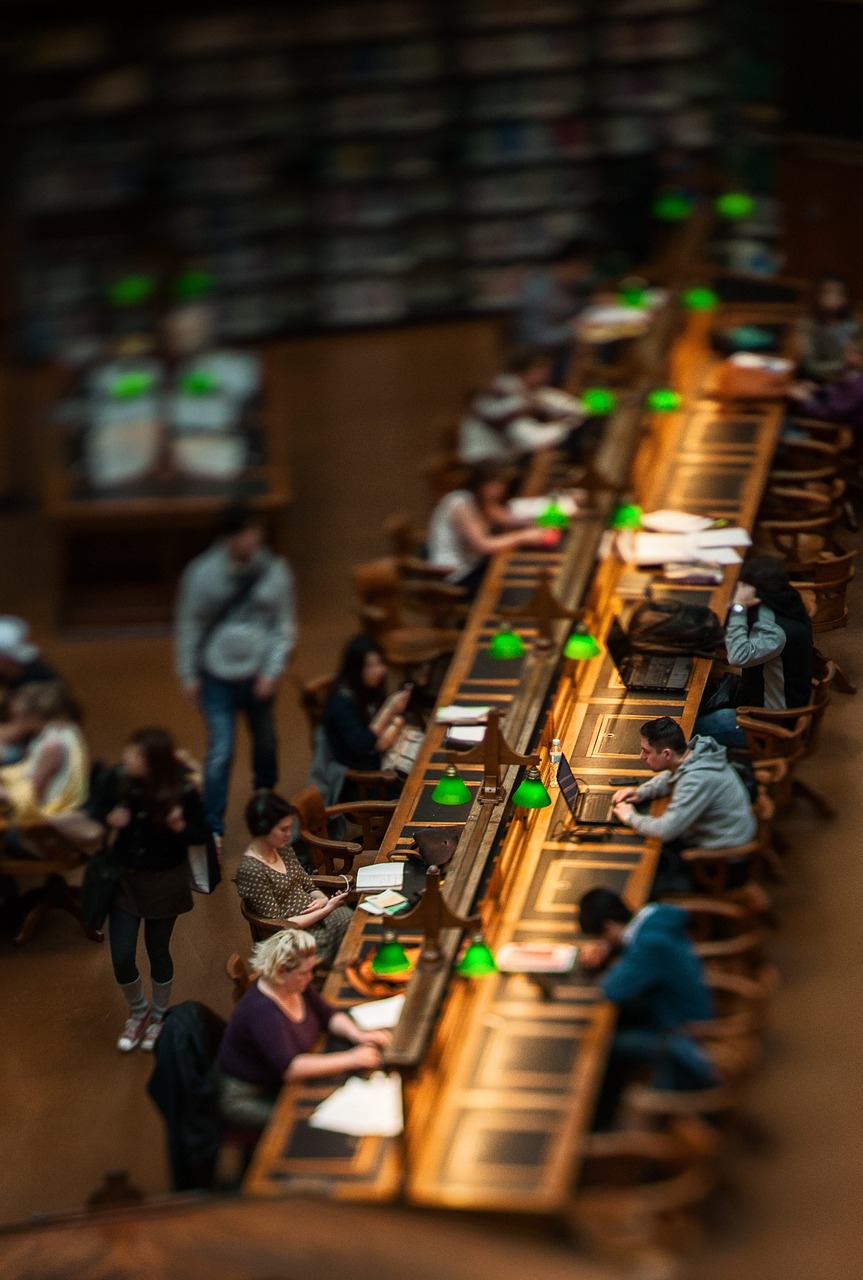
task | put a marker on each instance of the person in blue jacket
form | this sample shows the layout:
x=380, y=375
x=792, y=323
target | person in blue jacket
x=658, y=983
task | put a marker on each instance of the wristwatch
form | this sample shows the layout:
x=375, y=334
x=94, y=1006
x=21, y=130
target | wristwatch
x=738, y=608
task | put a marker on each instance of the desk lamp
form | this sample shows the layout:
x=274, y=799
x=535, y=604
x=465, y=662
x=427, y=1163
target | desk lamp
x=129, y=291
x=492, y=753
x=390, y=956
x=543, y=608
x=192, y=285
x=433, y=914
x=554, y=517
x=451, y=789
x=531, y=792
x=672, y=206
x=580, y=645
x=506, y=644
x=664, y=400
x=478, y=960
x=626, y=516
x=734, y=205
x=598, y=401
x=633, y=292
x=700, y=298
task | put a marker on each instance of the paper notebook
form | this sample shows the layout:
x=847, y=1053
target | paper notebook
x=378, y=1015
x=363, y=1108
x=380, y=875
x=387, y=903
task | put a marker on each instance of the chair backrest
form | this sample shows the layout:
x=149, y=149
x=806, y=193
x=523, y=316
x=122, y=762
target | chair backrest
x=828, y=567
x=775, y=735
x=826, y=603
x=403, y=539
x=238, y=971
x=260, y=927
x=313, y=700
x=309, y=804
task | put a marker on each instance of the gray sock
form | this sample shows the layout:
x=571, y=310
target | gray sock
x=135, y=998
x=161, y=996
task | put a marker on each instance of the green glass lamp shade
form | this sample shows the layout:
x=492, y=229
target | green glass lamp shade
x=633, y=293
x=700, y=299
x=672, y=206
x=664, y=400
x=129, y=291
x=554, y=517
x=390, y=956
x=581, y=644
x=531, y=792
x=478, y=961
x=734, y=204
x=193, y=284
x=451, y=789
x=506, y=644
x=130, y=385
x=598, y=401
x=199, y=383
x=626, y=516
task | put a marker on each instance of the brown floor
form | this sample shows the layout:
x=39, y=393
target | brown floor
x=358, y=415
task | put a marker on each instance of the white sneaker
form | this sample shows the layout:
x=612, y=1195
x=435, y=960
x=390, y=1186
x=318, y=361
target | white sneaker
x=133, y=1032
x=153, y=1031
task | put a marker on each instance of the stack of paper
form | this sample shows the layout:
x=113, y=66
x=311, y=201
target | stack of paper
x=461, y=714
x=380, y=875
x=378, y=1015
x=387, y=903
x=711, y=546
x=363, y=1108
x=465, y=733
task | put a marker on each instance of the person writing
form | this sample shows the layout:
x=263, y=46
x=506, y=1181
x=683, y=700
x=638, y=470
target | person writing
x=709, y=806
x=273, y=1032
x=360, y=721
x=275, y=886
x=838, y=401
x=469, y=525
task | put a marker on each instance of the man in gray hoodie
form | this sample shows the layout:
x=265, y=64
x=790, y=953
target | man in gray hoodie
x=709, y=807
x=235, y=631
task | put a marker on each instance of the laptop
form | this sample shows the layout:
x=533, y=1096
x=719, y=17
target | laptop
x=647, y=672
x=588, y=808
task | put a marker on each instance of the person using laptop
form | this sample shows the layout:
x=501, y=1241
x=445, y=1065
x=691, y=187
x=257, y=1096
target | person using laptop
x=709, y=806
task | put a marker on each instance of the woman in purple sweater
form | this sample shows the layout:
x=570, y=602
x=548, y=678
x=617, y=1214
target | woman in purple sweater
x=272, y=1036
x=840, y=401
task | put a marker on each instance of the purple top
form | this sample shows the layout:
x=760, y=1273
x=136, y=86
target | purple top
x=838, y=402
x=261, y=1041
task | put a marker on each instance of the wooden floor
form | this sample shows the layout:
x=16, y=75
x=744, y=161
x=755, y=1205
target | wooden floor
x=359, y=414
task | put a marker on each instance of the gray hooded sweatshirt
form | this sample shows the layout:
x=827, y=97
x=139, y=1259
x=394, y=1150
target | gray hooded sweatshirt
x=709, y=808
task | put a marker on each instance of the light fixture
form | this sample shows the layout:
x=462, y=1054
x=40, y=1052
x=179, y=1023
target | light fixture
x=626, y=516
x=554, y=517
x=199, y=383
x=478, y=960
x=531, y=792
x=581, y=644
x=672, y=206
x=734, y=205
x=598, y=401
x=700, y=298
x=633, y=292
x=193, y=284
x=130, y=385
x=664, y=400
x=390, y=956
x=451, y=789
x=506, y=644
x=129, y=291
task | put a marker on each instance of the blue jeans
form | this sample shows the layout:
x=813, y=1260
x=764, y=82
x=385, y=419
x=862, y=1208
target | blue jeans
x=721, y=725
x=221, y=703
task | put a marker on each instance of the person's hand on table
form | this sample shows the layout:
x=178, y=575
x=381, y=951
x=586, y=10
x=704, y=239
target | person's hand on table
x=378, y=1039
x=539, y=537
x=264, y=688
x=593, y=955
x=192, y=693
x=624, y=795
x=623, y=812
x=365, y=1057
x=336, y=900
x=119, y=817
x=801, y=390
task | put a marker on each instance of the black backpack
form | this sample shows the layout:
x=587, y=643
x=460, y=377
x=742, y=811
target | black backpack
x=667, y=626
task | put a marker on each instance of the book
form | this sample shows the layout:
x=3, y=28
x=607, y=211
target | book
x=380, y=875
x=387, y=903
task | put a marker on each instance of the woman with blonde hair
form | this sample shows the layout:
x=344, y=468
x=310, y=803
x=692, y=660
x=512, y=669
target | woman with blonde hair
x=273, y=1032
x=52, y=776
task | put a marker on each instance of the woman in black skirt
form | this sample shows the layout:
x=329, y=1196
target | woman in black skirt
x=152, y=804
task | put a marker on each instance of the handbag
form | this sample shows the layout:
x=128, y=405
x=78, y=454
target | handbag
x=205, y=873
x=667, y=626
x=101, y=878
x=725, y=693
x=435, y=846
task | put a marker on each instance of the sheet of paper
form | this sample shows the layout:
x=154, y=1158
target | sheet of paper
x=461, y=713
x=378, y=1015
x=363, y=1107
x=733, y=536
x=466, y=733
x=674, y=522
x=383, y=904
x=718, y=555
x=536, y=957
x=380, y=875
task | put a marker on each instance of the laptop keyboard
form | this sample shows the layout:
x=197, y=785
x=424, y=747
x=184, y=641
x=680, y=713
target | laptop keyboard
x=596, y=807
x=662, y=672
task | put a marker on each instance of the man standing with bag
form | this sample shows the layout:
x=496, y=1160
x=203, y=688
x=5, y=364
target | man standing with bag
x=235, y=631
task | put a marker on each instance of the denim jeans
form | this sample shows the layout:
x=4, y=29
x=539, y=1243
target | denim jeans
x=221, y=703
x=675, y=1062
x=721, y=725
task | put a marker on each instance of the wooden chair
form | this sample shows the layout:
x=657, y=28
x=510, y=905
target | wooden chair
x=726, y=935
x=341, y=857
x=56, y=853
x=808, y=463
x=836, y=434
x=385, y=598
x=824, y=666
x=644, y=1107
x=797, y=525
x=788, y=735
x=371, y=784
x=823, y=584
x=238, y=971
x=641, y=1191
x=443, y=471
x=740, y=1003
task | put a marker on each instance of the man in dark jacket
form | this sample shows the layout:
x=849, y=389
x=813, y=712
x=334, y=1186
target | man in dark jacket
x=658, y=983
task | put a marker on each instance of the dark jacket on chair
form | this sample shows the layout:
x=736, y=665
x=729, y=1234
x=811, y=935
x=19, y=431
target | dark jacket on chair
x=184, y=1086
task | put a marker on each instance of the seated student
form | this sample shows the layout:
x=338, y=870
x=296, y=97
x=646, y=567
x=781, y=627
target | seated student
x=462, y=528
x=360, y=721
x=20, y=664
x=840, y=401
x=551, y=297
x=823, y=335
x=709, y=807
x=518, y=413
x=275, y=886
x=769, y=636
x=658, y=983
x=273, y=1032
x=52, y=776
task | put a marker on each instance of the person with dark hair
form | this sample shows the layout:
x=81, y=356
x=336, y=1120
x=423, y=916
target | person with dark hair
x=236, y=629
x=823, y=335
x=468, y=525
x=519, y=412
x=709, y=806
x=360, y=721
x=550, y=300
x=20, y=663
x=769, y=636
x=51, y=778
x=274, y=885
x=837, y=401
x=658, y=983
x=152, y=805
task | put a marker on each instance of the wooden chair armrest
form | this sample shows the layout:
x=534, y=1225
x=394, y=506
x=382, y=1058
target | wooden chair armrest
x=752, y=722
x=343, y=848
x=372, y=808
x=731, y=948
x=769, y=715
x=721, y=855
x=371, y=776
